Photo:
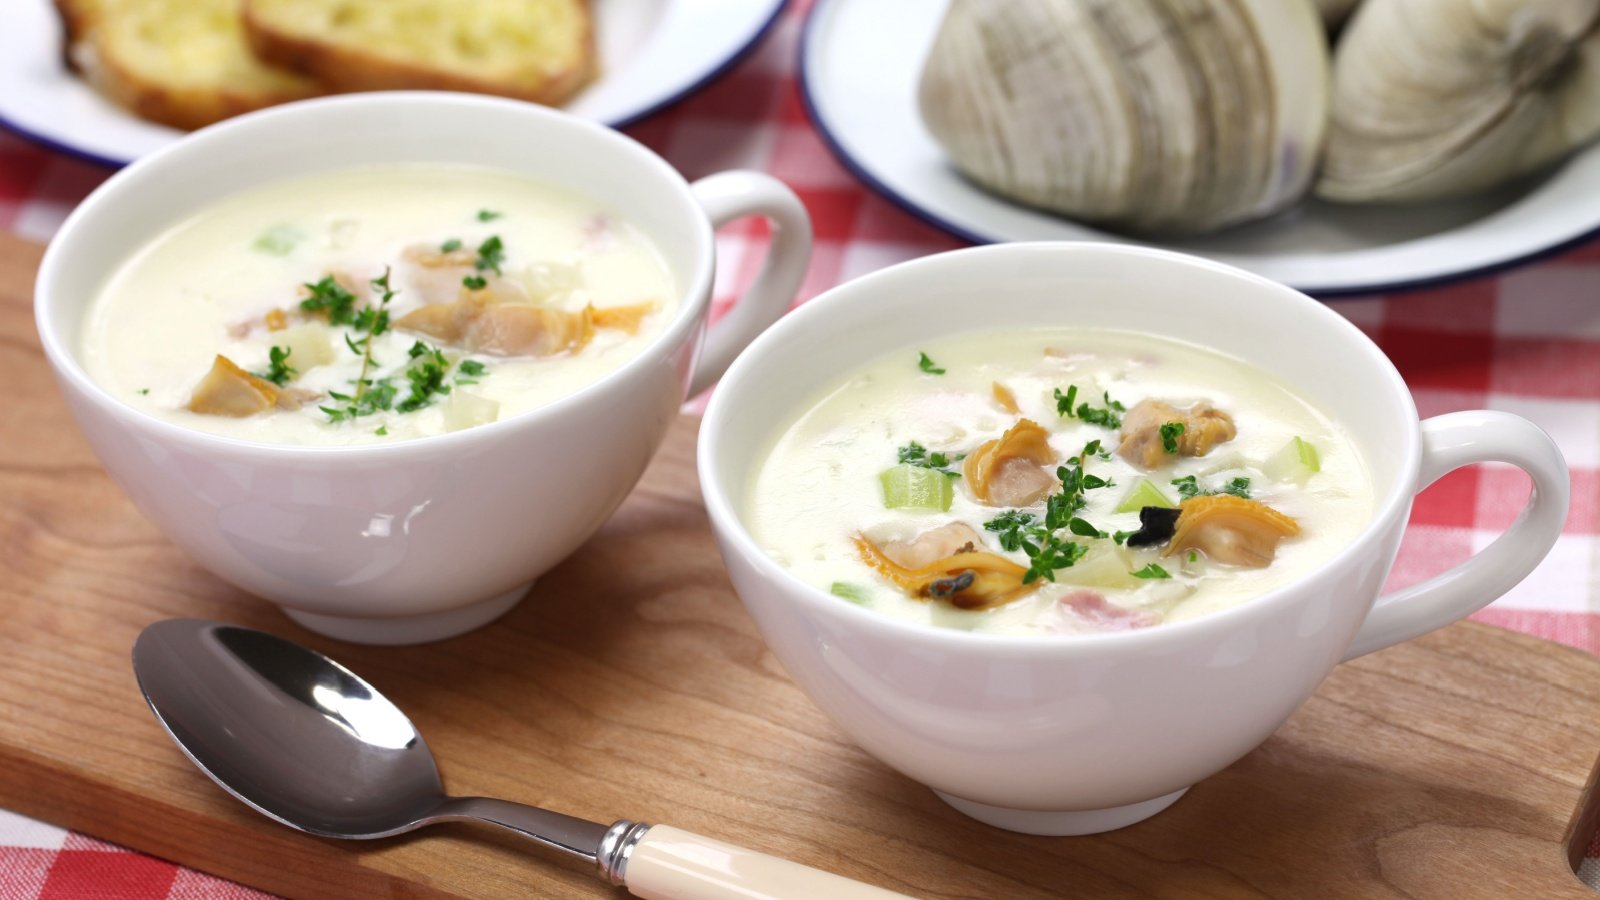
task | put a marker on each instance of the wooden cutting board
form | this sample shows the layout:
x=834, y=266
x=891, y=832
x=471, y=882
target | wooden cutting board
x=631, y=683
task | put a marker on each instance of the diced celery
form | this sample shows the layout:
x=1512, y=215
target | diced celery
x=1297, y=462
x=1144, y=493
x=278, y=240
x=855, y=593
x=913, y=487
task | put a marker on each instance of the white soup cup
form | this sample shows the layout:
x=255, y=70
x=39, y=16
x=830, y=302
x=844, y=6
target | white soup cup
x=421, y=539
x=1081, y=734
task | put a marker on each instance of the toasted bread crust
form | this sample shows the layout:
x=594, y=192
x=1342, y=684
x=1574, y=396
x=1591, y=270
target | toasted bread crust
x=151, y=91
x=180, y=107
x=346, y=68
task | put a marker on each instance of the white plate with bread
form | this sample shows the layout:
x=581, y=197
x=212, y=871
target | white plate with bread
x=862, y=62
x=88, y=78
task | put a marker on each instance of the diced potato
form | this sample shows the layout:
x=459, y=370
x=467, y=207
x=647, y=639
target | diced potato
x=1106, y=565
x=463, y=410
x=549, y=280
x=309, y=344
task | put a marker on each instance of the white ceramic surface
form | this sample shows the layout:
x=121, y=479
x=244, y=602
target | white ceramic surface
x=652, y=54
x=1077, y=734
x=861, y=61
x=416, y=540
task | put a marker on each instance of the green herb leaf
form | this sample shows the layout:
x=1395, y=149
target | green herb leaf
x=1084, y=528
x=1105, y=417
x=926, y=364
x=472, y=367
x=450, y=246
x=491, y=254
x=488, y=215
x=1151, y=571
x=144, y=392
x=383, y=431
x=1189, y=488
x=1170, y=433
x=278, y=369
x=914, y=454
x=1010, y=526
x=329, y=296
x=1064, y=401
x=475, y=282
x=425, y=374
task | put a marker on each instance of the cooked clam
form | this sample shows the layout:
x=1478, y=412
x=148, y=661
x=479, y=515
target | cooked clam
x=1147, y=115
x=1445, y=98
x=967, y=579
x=1008, y=471
x=1142, y=443
x=1231, y=530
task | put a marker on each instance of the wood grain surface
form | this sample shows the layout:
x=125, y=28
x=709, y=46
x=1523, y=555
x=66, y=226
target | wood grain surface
x=631, y=683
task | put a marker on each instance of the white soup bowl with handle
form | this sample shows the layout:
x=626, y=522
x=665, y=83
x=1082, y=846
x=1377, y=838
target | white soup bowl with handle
x=1079, y=734
x=420, y=539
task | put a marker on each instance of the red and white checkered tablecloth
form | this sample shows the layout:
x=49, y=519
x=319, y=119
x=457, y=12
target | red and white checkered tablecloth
x=1527, y=342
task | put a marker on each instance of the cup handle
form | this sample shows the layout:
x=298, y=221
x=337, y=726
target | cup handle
x=1450, y=442
x=727, y=196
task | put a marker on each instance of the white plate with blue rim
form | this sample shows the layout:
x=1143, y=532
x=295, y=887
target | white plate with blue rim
x=653, y=53
x=860, y=61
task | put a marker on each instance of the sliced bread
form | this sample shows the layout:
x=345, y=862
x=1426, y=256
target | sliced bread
x=183, y=63
x=538, y=50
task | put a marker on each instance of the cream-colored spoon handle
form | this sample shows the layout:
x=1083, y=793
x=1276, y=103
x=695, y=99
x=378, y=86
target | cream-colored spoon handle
x=671, y=864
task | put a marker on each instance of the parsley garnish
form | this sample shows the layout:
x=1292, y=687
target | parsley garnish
x=1194, y=556
x=1064, y=401
x=383, y=431
x=426, y=375
x=144, y=392
x=491, y=253
x=474, y=282
x=329, y=296
x=488, y=215
x=914, y=454
x=1047, y=549
x=1104, y=417
x=371, y=395
x=1151, y=571
x=1189, y=489
x=1009, y=526
x=278, y=369
x=926, y=364
x=470, y=368
x=1170, y=433
x=450, y=246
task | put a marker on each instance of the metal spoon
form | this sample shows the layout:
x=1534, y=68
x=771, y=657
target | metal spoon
x=304, y=741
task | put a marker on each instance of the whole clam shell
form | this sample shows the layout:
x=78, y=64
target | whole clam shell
x=1444, y=98
x=1147, y=115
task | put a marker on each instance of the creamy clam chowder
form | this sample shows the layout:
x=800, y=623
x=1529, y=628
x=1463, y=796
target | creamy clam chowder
x=376, y=304
x=1056, y=481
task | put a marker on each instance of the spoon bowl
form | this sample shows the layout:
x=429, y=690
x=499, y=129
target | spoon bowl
x=307, y=742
